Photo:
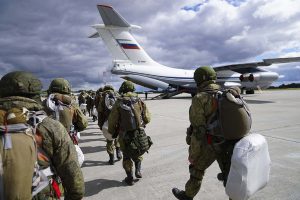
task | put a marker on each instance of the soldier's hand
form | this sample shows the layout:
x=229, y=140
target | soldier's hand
x=188, y=139
x=189, y=132
x=115, y=135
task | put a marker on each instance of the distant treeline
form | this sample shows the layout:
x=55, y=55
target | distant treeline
x=291, y=85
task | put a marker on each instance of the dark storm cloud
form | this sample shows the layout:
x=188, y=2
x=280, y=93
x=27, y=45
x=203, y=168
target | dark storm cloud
x=49, y=38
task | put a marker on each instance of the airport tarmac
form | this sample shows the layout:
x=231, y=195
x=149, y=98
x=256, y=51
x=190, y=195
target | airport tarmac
x=275, y=113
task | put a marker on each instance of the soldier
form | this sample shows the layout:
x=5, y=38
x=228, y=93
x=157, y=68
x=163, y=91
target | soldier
x=104, y=108
x=81, y=98
x=98, y=97
x=127, y=121
x=89, y=102
x=201, y=153
x=20, y=95
x=69, y=113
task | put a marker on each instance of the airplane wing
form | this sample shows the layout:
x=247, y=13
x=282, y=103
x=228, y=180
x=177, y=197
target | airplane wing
x=252, y=67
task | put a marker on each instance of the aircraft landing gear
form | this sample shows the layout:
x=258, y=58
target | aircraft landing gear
x=249, y=91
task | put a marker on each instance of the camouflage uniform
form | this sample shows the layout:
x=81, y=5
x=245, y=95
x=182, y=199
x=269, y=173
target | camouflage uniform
x=22, y=90
x=201, y=154
x=103, y=114
x=76, y=118
x=126, y=89
x=98, y=97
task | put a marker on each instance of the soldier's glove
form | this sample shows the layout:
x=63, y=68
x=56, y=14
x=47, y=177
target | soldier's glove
x=189, y=132
x=115, y=135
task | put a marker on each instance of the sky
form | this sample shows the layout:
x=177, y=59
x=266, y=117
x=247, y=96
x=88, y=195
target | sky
x=50, y=38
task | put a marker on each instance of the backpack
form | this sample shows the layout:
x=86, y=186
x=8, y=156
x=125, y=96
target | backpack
x=17, y=132
x=137, y=143
x=132, y=122
x=109, y=100
x=232, y=118
x=104, y=108
x=61, y=110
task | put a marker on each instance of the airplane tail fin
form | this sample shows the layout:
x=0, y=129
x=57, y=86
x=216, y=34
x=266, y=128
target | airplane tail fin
x=115, y=33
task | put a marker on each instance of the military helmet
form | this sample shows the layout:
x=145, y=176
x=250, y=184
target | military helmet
x=60, y=85
x=20, y=83
x=108, y=87
x=204, y=73
x=99, y=90
x=127, y=86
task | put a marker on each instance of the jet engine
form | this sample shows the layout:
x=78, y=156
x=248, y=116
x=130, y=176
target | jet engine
x=250, y=77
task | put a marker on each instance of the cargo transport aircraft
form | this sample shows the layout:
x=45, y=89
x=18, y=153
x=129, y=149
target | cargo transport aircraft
x=134, y=64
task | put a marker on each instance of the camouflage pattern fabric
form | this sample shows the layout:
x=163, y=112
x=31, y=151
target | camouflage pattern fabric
x=58, y=146
x=79, y=119
x=113, y=128
x=18, y=161
x=103, y=112
x=201, y=155
x=111, y=145
x=53, y=138
x=69, y=115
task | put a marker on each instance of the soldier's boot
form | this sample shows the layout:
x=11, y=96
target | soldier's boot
x=180, y=194
x=119, y=153
x=111, y=159
x=138, y=173
x=129, y=178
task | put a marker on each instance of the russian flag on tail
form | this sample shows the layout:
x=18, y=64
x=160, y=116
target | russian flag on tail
x=127, y=44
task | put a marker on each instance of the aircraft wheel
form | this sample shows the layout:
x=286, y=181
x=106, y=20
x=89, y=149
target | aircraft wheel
x=249, y=91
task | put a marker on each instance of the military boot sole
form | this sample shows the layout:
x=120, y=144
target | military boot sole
x=129, y=181
x=138, y=175
x=180, y=194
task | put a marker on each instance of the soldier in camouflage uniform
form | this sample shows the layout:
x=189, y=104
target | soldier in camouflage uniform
x=98, y=97
x=201, y=154
x=114, y=127
x=103, y=114
x=74, y=116
x=22, y=90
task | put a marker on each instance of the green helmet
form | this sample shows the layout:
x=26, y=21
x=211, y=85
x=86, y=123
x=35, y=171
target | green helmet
x=108, y=87
x=60, y=85
x=127, y=86
x=99, y=90
x=20, y=83
x=204, y=73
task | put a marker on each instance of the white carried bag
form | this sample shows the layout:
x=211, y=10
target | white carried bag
x=105, y=132
x=250, y=167
x=80, y=155
x=95, y=112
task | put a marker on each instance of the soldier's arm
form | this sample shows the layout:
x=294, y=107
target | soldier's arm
x=58, y=145
x=197, y=116
x=147, y=115
x=79, y=119
x=113, y=120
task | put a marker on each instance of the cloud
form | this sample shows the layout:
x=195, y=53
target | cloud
x=49, y=38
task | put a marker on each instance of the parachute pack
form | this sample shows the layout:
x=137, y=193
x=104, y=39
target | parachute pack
x=107, y=102
x=62, y=111
x=232, y=119
x=132, y=115
x=18, y=126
